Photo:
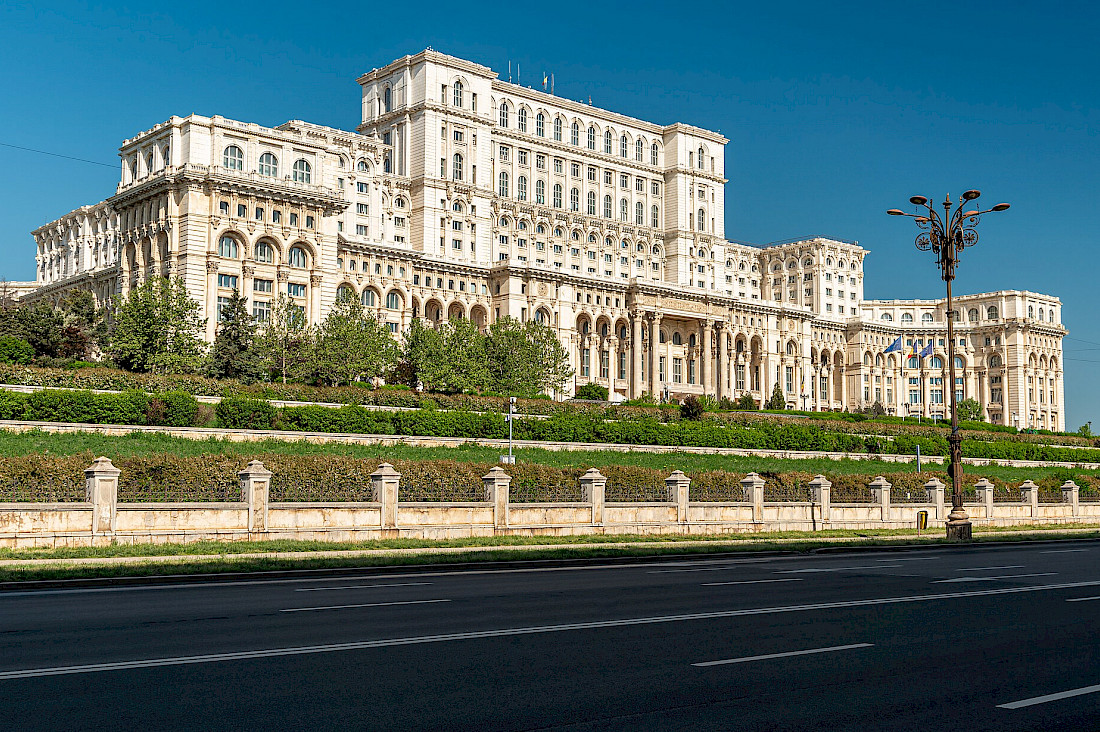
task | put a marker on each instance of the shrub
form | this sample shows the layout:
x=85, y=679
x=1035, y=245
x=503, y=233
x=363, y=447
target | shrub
x=59, y=405
x=15, y=350
x=345, y=419
x=247, y=414
x=172, y=409
x=12, y=405
x=746, y=403
x=591, y=392
x=692, y=408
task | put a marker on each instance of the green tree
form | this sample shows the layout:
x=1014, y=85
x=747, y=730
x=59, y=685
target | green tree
x=233, y=355
x=591, y=392
x=969, y=410
x=745, y=403
x=157, y=328
x=85, y=330
x=283, y=343
x=448, y=359
x=350, y=345
x=525, y=359
x=15, y=350
x=693, y=408
x=777, y=400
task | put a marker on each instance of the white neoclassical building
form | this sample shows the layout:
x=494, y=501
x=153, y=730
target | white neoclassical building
x=461, y=195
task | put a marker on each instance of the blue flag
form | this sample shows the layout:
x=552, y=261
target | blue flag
x=895, y=346
x=927, y=349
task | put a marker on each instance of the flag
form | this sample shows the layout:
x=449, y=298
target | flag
x=927, y=349
x=894, y=347
x=545, y=80
x=913, y=352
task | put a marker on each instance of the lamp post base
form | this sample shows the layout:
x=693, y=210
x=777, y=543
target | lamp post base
x=960, y=530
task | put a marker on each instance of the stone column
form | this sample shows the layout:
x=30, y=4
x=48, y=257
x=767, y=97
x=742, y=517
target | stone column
x=496, y=493
x=753, y=487
x=211, y=299
x=101, y=483
x=1030, y=493
x=822, y=494
x=248, y=274
x=654, y=349
x=1071, y=494
x=985, y=496
x=880, y=489
x=314, y=314
x=592, y=484
x=385, y=483
x=636, y=356
x=706, y=363
x=722, y=390
x=934, y=490
x=255, y=487
x=678, y=485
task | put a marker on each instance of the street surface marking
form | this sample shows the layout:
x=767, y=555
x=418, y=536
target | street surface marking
x=506, y=632
x=983, y=569
x=746, y=659
x=1050, y=697
x=836, y=569
x=369, y=604
x=1063, y=551
x=1082, y=599
x=910, y=559
x=993, y=577
x=752, y=582
x=360, y=587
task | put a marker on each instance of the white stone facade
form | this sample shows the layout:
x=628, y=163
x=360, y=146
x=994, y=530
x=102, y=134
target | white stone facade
x=461, y=195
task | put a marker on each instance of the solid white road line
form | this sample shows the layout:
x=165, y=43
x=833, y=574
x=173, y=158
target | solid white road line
x=1082, y=599
x=360, y=587
x=752, y=582
x=909, y=559
x=808, y=652
x=1063, y=551
x=993, y=577
x=836, y=569
x=369, y=604
x=532, y=630
x=983, y=569
x=1050, y=697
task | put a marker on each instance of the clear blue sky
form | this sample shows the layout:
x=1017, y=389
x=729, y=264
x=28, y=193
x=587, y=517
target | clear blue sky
x=834, y=112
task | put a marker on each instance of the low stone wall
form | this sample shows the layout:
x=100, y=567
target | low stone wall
x=101, y=519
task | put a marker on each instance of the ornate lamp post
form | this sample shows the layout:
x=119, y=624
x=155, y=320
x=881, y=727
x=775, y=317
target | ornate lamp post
x=946, y=235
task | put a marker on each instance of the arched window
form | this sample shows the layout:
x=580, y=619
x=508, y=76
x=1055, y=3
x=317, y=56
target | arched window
x=362, y=166
x=574, y=199
x=591, y=203
x=540, y=192
x=906, y=318
x=607, y=207
x=926, y=318
x=456, y=167
x=677, y=339
x=458, y=94
x=639, y=150
x=149, y=162
x=540, y=316
x=521, y=119
x=701, y=219
x=656, y=251
x=699, y=163
x=623, y=146
x=504, y=114
x=1040, y=314
x=655, y=217
x=937, y=362
x=557, y=129
x=540, y=125
x=1031, y=312
x=298, y=257
x=233, y=158
x=607, y=142
x=393, y=301
x=790, y=348
x=557, y=195
x=521, y=188
x=369, y=298
x=344, y=292
x=624, y=210
x=503, y=188
x=264, y=252
x=866, y=356
x=302, y=172
x=591, y=138
x=575, y=134
x=887, y=317
x=662, y=338
x=972, y=315
x=639, y=213
x=269, y=165
x=959, y=362
x=227, y=247
x=994, y=361
x=387, y=99
x=653, y=154
x=457, y=207
x=991, y=313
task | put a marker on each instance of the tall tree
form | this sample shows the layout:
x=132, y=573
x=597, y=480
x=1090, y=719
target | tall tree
x=525, y=359
x=777, y=400
x=234, y=355
x=284, y=341
x=350, y=345
x=450, y=359
x=157, y=328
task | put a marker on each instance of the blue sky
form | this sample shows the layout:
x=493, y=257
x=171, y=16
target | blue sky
x=835, y=113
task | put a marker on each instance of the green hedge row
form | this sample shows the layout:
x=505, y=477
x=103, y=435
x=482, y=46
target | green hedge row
x=169, y=409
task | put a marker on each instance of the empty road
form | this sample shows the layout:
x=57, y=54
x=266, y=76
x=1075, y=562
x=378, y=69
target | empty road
x=993, y=638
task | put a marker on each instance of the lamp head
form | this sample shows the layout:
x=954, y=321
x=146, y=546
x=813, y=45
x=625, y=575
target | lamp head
x=918, y=200
x=968, y=214
x=971, y=195
x=895, y=212
x=1000, y=207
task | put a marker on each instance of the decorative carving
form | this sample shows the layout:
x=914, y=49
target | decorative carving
x=315, y=279
x=212, y=265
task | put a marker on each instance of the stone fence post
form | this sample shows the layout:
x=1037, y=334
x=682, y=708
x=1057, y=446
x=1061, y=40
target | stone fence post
x=985, y=496
x=255, y=489
x=821, y=489
x=1030, y=493
x=496, y=493
x=880, y=489
x=678, y=485
x=753, y=486
x=385, y=483
x=101, y=483
x=1071, y=494
x=593, y=484
x=933, y=489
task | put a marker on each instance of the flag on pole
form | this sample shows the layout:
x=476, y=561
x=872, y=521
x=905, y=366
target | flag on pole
x=927, y=349
x=545, y=80
x=895, y=347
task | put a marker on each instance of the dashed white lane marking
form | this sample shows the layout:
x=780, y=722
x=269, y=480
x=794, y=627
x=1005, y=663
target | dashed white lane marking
x=505, y=632
x=1063, y=551
x=765, y=657
x=1050, y=697
x=368, y=604
x=816, y=570
x=984, y=569
x=909, y=559
x=752, y=582
x=1082, y=599
x=993, y=577
x=360, y=587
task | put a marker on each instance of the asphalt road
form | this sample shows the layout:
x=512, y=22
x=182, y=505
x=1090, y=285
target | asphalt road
x=974, y=638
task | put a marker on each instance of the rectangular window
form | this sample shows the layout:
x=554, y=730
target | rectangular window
x=361, y=187
x=227, y=281
x=557, y=165
x=296, y=290
x=223, y=304
x=591, y=174
x=604, y=363
x=261, y=311
x=789, y=380
x=362, y=209
x=293, y=219
x=661, y=368
x=522, y=157
x=361, y=229
x=242, y=211
x=309, y=222
x=575, y=170
x=224, y=207
x=586, y=355
x=259, y=214
x=504, y=154
x=677, y=370
x=276, y=217
x=691, y=370
x=263, y=285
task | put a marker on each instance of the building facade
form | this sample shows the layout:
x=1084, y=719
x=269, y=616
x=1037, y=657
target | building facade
x=464, y=196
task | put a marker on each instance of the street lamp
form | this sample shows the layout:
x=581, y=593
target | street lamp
x=946, y=235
